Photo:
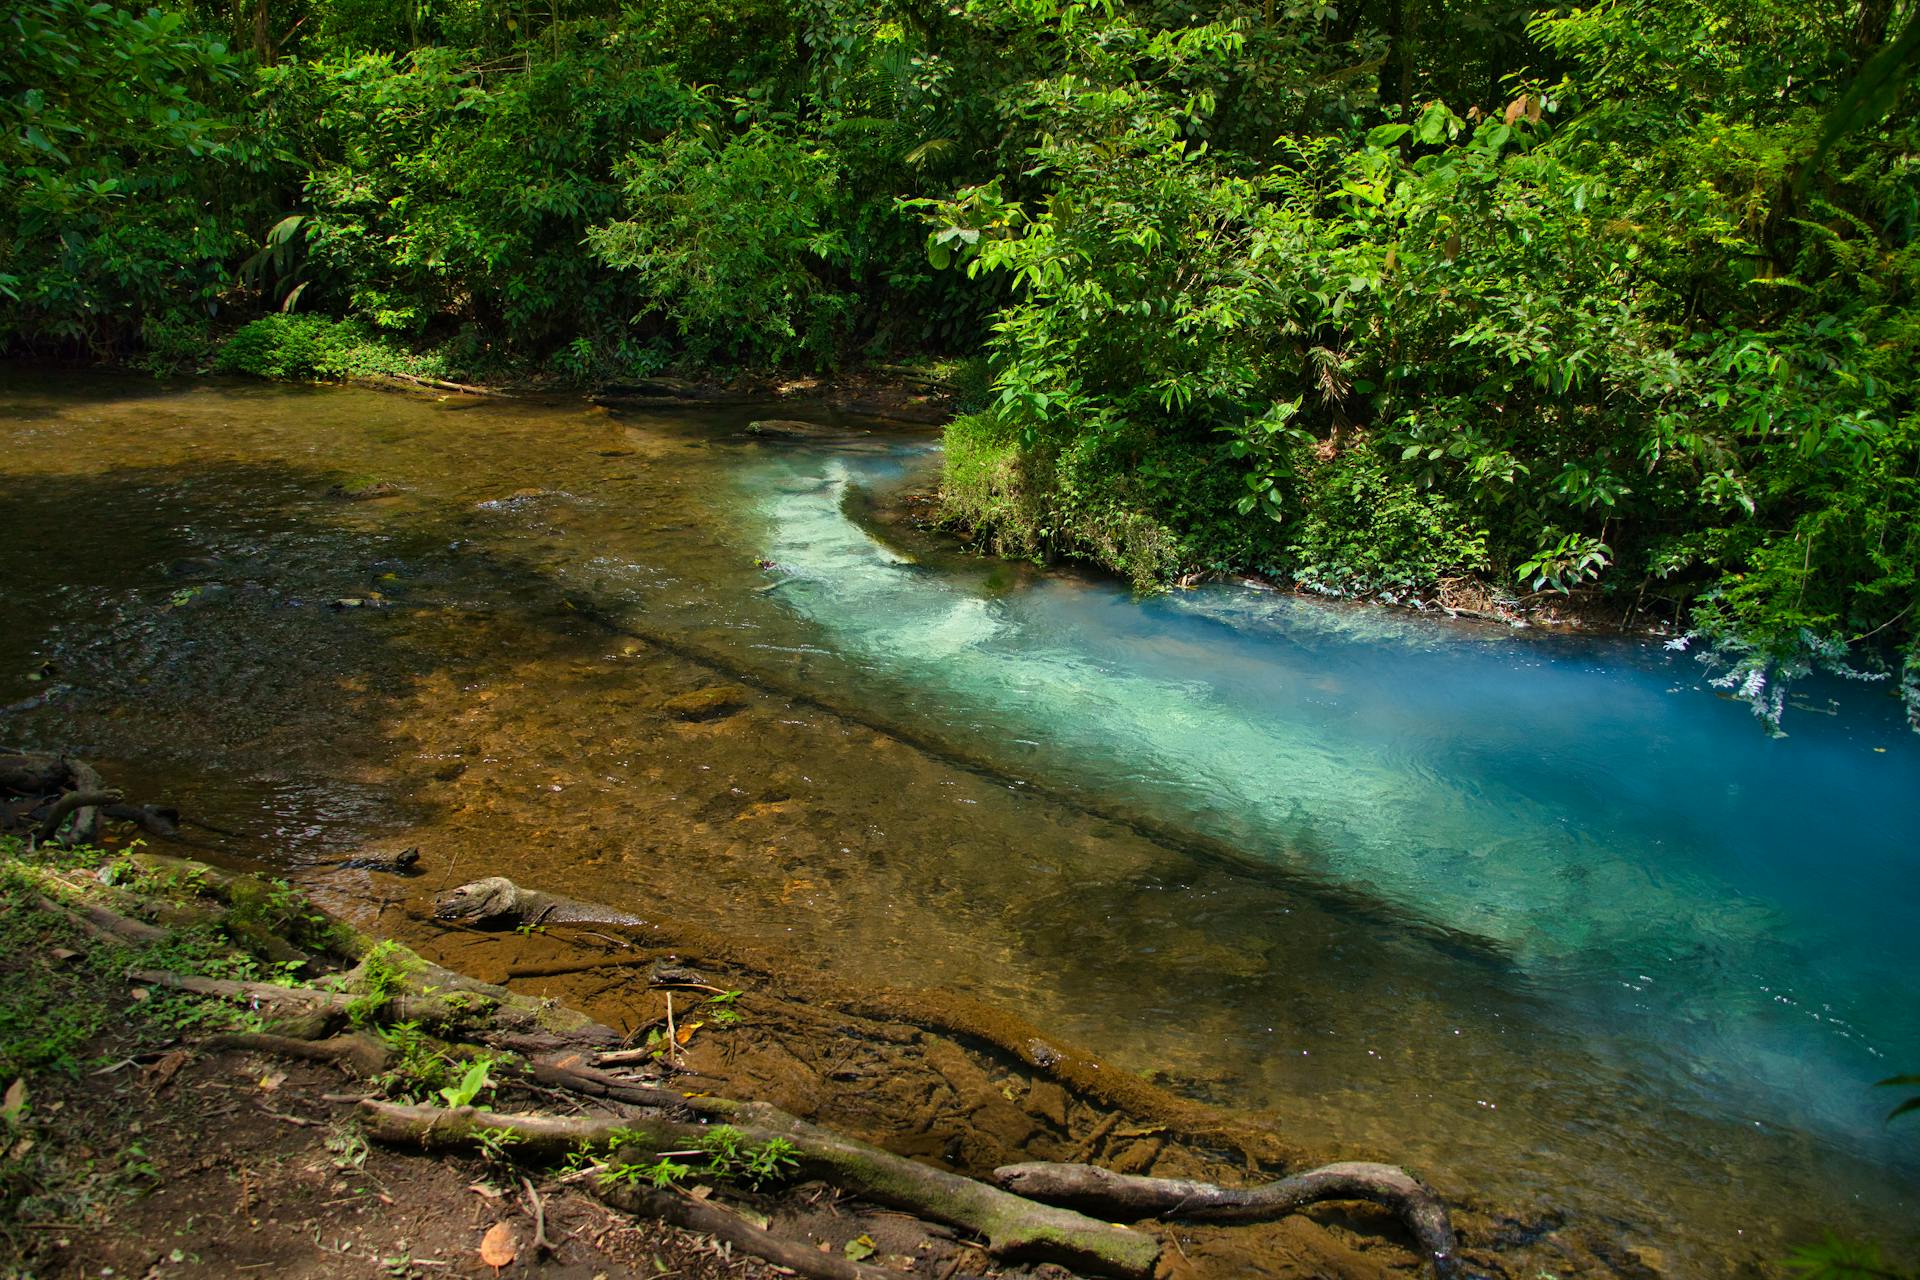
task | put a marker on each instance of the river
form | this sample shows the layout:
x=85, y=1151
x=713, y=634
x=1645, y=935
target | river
x=1541, y=917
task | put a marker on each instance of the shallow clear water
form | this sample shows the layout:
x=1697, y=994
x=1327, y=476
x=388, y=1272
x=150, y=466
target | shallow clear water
x=1539, y=917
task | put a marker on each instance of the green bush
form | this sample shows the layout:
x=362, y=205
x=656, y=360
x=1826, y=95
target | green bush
x=312, y=348
x=1363, y=531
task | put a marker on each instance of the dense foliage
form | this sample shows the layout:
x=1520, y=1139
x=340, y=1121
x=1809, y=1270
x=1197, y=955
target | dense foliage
x=1447, y=301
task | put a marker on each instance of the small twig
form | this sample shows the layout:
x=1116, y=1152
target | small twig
x=540, y=1241
x=673, y=1036
x=302, y=1121
x=622, y=943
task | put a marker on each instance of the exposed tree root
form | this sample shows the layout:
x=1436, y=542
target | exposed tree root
x=1120, y=1196
x=106, y=926
x=362, y=1055
x=83, y=807
x=1014, y=1228
x=45, y=793
x=599, y=1084
x=711, y=1219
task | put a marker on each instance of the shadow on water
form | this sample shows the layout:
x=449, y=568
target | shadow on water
x=496, y=702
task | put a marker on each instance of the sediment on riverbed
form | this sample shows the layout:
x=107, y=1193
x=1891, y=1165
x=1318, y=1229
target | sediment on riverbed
x=898, y=1107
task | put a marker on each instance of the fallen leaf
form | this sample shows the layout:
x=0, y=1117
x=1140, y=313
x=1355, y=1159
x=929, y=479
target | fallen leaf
x=272, y=1081
x=858, y=1248
x=482, y=1189
x=140, y=993
x=166, y=1069
x=686, y=1031
x=14, y=1109
x=497, y=1246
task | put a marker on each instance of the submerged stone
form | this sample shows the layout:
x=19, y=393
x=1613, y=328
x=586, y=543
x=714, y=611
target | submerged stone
x=710, y=703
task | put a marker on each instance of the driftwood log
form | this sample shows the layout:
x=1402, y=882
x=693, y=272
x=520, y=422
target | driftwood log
x=1014, y=1228
x=1123, y=1197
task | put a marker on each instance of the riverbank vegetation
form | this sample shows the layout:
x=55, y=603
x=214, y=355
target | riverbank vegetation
x=1427, y=303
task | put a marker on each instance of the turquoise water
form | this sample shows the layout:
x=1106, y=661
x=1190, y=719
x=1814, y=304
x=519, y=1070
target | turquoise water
x=1728, y=913
x=1542, y=918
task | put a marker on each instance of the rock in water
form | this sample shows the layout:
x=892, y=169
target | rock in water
x=403, y=863
x=793, y=429
x=710, y=703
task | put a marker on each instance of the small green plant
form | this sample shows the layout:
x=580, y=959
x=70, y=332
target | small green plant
x=722, y=1010
x=473, y=1081
x=348, y=1146
x=661, y=1173
x=381, y=979
x=494, y=1144
x=722, y=1154
x=1573, y=560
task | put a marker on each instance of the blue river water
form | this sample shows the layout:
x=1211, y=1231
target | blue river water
x=1741, y=912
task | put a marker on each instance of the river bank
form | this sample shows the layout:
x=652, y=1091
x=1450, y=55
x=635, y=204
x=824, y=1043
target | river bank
x=955, y=823
x=170, y=970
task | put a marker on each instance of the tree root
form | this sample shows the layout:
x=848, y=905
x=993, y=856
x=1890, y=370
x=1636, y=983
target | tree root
x=83, y=807
x=360, y=1055
x=406, y=1008
x=712, y=1220
x=61, y=789
x=1014, y=1228
x=1120, y=1196
x=104, y=925
x=599, y=1084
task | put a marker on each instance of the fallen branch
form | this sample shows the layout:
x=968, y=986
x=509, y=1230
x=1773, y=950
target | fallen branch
x=1014, y=1228
x=436, y=384
x=1120, y=1196
x=712, y=1220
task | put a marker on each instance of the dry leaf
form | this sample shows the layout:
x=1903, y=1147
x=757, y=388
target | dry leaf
x=268, y=1083
x=686, y=1031
x=140, y=993
x=497, y=1246
x=859, y=1248
x=14, y=1109
x=164, y=1070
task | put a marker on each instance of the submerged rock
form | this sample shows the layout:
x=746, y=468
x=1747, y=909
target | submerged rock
x=365, y=492
x=793, y=429
x=710, y=703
